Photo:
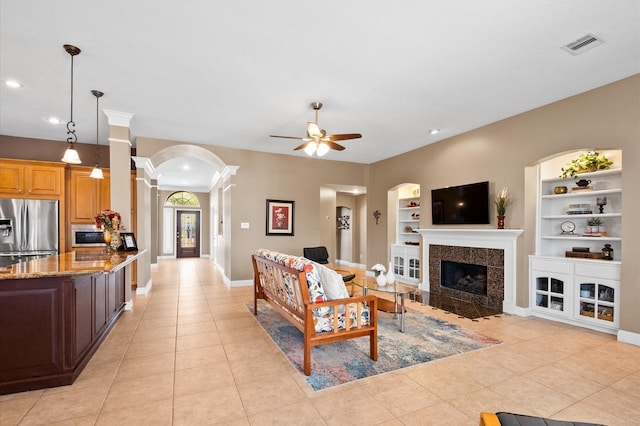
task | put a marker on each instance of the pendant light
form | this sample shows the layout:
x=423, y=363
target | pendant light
x=96, y=173
x=71, y=155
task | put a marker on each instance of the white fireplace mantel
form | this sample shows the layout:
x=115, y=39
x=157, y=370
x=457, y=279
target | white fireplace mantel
x=505, y=239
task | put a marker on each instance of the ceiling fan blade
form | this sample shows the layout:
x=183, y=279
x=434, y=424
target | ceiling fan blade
x=344, y=137
x=334, y=145
x=313, y=130
x=287, y=137
x=303, y=146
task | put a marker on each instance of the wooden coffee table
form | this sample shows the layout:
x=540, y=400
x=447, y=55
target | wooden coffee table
x=399, y=290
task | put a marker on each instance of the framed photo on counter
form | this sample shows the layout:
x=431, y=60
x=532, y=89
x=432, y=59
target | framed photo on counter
x=128, y=241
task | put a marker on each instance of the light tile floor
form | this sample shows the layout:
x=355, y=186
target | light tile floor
x=190, y=353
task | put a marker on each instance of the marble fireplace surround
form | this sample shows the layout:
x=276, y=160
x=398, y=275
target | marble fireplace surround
x=502, y=239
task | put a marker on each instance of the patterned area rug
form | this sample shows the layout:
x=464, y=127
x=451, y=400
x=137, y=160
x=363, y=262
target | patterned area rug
x=425, y=339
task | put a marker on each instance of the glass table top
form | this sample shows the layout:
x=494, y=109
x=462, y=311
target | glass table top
x=370, y=283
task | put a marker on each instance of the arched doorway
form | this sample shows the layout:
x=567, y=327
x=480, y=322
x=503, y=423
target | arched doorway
x=164, y=173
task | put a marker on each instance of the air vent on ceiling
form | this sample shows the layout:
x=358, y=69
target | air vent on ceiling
x=582, y=44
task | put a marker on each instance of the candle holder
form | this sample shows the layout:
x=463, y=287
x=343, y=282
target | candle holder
x=601, y=202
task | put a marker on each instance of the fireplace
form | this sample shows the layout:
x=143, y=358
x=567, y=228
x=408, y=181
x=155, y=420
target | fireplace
x=465, y=277
x=494, y=248
x=468, y=264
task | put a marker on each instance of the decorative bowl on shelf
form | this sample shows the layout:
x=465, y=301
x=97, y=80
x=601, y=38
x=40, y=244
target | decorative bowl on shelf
x=560, y=190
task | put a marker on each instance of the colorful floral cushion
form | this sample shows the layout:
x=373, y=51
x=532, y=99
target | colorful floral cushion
x=323, y=317
x=325, y=322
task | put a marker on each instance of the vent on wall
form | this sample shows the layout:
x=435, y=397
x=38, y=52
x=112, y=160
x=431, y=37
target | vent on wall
x=582, y=44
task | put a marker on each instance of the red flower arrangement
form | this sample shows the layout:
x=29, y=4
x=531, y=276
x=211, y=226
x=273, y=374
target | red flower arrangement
x=108, y=219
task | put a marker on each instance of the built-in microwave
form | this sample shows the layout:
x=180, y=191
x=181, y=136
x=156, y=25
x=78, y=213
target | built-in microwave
x=86, y=236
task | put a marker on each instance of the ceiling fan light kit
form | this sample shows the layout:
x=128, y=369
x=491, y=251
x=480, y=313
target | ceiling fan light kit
x=317, y=141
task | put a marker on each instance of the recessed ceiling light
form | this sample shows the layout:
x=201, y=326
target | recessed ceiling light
x=434, y=131
x=53, y=120
x=14, y=84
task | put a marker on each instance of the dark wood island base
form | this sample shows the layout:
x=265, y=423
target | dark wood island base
x=51, y=323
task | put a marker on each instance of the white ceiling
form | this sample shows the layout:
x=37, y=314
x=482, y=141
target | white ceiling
x=230, y=73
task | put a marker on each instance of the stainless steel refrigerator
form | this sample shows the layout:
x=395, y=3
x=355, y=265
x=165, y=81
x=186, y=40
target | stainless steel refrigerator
x=28, y=229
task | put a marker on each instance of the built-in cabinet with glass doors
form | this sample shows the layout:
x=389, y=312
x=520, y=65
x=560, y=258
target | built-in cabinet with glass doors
x=405, y=254
x=569, y=276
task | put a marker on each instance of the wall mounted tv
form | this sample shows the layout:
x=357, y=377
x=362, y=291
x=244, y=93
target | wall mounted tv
x=463, y=204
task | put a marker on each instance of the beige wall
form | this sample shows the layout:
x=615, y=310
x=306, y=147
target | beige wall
x=604, y=118
x=35, y=149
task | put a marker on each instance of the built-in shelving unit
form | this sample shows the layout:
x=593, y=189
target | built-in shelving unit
x=569, y=279
x=405, y=253
x=408, y=221
x=553, y=210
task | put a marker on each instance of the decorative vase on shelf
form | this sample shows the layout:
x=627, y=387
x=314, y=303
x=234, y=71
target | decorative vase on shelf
x=391, y=278
x=381, y=279
x=501, y=222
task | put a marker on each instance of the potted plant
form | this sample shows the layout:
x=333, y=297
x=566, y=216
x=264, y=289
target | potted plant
x=595, y=223
x=502, y=201
x=588, y=161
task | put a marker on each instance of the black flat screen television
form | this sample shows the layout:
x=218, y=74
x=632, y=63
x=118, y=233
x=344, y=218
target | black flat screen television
x=463, y=204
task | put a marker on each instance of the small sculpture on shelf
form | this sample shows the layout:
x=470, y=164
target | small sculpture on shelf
x=601, y=202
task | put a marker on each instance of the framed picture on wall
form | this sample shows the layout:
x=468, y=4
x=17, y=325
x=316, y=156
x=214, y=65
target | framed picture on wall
x=280, y=217
x=128, y=241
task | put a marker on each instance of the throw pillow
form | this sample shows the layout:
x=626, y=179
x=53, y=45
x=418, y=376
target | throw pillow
x=332, y=283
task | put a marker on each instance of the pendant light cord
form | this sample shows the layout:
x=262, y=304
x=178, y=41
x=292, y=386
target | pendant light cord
x=71, y=126
x=97, y=95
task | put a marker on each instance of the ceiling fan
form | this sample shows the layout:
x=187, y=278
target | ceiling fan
x=317, y=139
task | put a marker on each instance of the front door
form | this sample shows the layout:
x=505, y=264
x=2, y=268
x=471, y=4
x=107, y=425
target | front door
x=188, y=234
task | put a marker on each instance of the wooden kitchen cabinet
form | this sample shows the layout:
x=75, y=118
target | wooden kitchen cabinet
x=87, y=196
x=31, y=179
x=40, y=180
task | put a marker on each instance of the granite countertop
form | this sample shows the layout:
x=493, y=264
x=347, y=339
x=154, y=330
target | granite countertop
x=69, y=264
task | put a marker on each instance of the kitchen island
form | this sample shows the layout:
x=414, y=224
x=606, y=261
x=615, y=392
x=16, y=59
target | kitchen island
x=54, y=314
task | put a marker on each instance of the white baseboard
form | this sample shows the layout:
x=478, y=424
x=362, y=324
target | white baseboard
x=128, y=305
x=240, y=283
x=145, y=289
x=629, y=337
x=349, y=264
x=522, y=312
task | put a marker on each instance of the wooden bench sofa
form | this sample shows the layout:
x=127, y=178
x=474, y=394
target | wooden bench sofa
x=292, y=285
